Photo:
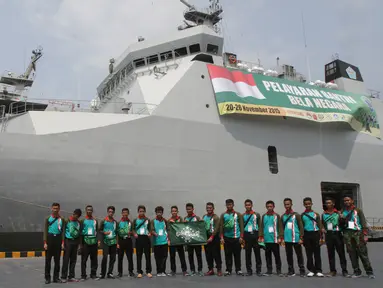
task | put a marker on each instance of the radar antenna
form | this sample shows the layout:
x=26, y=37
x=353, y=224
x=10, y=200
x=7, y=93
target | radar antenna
x=209, y=17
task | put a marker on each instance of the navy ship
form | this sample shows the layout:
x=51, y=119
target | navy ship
x=179, y=120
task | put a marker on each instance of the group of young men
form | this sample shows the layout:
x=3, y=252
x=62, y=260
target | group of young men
x=232, y=229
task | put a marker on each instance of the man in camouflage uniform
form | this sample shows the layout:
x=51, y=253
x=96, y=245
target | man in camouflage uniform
x=355, y=237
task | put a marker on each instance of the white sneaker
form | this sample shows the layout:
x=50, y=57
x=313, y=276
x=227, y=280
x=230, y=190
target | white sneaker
x=319, y=274
x=310, y=274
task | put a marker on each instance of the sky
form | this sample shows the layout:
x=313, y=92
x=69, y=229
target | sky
x=79, y=37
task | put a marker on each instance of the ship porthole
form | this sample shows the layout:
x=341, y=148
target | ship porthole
x=207, y=105
x=203, y=76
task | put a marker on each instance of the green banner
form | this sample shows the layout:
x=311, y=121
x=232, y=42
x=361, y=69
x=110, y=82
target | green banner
x=239, y=92
x=188, y=233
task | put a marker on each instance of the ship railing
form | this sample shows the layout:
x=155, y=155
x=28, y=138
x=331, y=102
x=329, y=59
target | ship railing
x=375, y=227
x=67, y=105
x=375, y=223
x=2, y=117
x=245, y=65
x=253, y=67
x=2, y=111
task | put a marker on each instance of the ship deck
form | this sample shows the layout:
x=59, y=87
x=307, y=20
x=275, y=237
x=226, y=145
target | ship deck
x=28, y=272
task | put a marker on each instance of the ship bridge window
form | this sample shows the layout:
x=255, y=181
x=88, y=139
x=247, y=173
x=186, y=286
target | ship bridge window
x=139, y=62
x=273, y=161
x=204, y=58
x=166, y=56
x=152, y=59
x=213, y=49
x=195, y=48
x=180, y=52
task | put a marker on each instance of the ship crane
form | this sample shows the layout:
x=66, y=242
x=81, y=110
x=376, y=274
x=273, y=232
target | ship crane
x=24, y=80
x=37, y=54
x=208, y=17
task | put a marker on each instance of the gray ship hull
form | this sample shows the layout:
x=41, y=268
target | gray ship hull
x=175, y=161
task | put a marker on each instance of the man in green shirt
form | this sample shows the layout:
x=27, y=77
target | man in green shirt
x=72, y=241
x=89, y=244
x=251, y=220
x=53, y=243
x=108, y=228
x=213, y=246
x=355, y=236
x=175, y=218
x=125, y=244
x=191, y=217
x=231, y=230
x=142, y=233
x=159, y=228
x=333, y=237
x=270, y=232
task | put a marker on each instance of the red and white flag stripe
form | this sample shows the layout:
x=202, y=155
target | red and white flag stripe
x=234, y=81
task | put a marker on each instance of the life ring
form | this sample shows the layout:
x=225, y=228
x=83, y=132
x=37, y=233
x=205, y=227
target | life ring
x=232, y=59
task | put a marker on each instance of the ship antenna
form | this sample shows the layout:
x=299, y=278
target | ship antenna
x=306, y=52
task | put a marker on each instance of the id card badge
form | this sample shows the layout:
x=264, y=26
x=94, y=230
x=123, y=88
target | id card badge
x=271, y=229
x=289, y=225
x=250, y=228
x=329, y=227
x=90, y=231
x=110, y=235
x=160, y=232
x=142, y=231
x=351, y=225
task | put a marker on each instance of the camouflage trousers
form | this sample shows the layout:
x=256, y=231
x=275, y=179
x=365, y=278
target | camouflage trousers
x=357, y=249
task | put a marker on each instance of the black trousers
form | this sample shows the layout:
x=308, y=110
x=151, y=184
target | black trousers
x=251, y=244
x=232, y=248
x=70, y=258
x=92, y=251
x=334, y=241
x=213, y=253
x=289, y=255
x=161, y=255
x=53, y=251
x=273, y=248
x=198, y=252
x=143, y=247
x=181, y=255
x=126, y=248
x=110, y=251
x=311, y=242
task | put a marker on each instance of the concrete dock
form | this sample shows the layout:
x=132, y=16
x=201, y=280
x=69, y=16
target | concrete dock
x=29, y=272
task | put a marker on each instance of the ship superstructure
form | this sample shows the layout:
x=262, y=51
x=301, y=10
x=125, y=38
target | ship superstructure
x=14, y=88
x=153, y=135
